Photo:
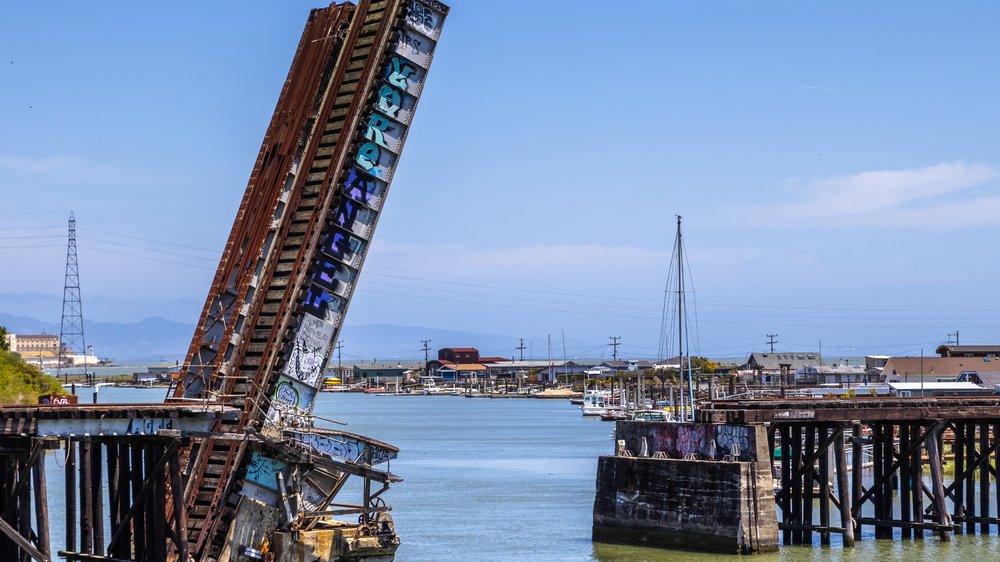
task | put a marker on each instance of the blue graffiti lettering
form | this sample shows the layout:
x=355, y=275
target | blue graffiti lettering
x=368, y=156
x=398, y=72
x=390, y=101
x=377, y=125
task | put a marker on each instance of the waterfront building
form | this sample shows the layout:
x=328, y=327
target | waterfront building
x=834, y=374
x=376, y=375
x=460, y=371
x=773, y=368
x=937, y=369
x=543, y=370
x=34, y=345
x=459, y=355
x=948, y=350
x=952, y=388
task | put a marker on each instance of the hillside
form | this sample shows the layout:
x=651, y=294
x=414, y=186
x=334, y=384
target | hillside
x=21, y=383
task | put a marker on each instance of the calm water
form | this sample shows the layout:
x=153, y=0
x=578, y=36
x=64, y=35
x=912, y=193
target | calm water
x=493, y=480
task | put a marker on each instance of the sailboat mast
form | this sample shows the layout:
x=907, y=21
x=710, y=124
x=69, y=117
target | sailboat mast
x=680, y=317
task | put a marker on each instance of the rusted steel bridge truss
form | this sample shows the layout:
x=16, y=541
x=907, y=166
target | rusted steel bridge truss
x=294, y=257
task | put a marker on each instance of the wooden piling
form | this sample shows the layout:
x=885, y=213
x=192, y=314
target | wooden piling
x=786, y=497
x=138, y=518
x=41, y=505
x=958, y=449
x=824, y=487
x=808, y=482
x=180, y=509
x=796, y=484
x=905, y=474
x=916, y=478
x=970, y=482
x=70, y=495
x=937, y=477
x=97, y=500
x=86, y=499
x=984, y=479
x=843, y=493
x=857, y=459
x=124, y=548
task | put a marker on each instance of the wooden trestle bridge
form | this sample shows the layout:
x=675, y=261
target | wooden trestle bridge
x=842, y=465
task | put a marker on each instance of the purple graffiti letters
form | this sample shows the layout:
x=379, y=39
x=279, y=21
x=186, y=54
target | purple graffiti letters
x=321, y=303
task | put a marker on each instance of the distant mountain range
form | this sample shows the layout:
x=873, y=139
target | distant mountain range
x=156, y=339
x=149, y=339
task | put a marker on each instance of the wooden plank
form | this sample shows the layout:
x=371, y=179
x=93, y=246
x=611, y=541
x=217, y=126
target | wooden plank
x=22, y=542
x=83, y=557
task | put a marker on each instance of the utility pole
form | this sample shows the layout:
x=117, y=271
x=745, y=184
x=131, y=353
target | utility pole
x=956, y=337
x=340, y=368
x=427, y=350
x=521, y=348
x=771, y=341
x=615, y=342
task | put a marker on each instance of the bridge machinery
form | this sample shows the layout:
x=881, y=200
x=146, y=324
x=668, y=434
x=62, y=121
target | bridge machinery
x=282, y=289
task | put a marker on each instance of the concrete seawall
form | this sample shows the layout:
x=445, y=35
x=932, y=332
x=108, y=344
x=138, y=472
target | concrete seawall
x=724, y=506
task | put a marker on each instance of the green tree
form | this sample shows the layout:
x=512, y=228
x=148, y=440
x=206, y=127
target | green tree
x=3, y=339
x=21, y=383
x=703, y=364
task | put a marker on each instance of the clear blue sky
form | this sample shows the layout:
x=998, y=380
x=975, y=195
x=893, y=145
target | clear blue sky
x=836, y=165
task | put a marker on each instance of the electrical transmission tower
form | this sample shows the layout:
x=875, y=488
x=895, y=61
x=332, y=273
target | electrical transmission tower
x=71, y=328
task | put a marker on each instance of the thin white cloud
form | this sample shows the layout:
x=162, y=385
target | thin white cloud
x=836, y=90
x=934, y=196
x=55, y=168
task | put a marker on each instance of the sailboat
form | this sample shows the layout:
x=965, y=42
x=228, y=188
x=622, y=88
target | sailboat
x=685, y=409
